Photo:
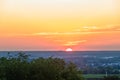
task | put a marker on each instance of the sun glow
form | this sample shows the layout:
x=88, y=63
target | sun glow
x=68, y=50
x=65, y=25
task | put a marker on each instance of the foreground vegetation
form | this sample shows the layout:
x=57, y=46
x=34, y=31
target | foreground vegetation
x=87, y=76
x=101, y=77
x=20, y=68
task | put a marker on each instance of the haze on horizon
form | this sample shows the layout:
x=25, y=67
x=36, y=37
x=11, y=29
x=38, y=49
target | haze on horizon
x=59, y=24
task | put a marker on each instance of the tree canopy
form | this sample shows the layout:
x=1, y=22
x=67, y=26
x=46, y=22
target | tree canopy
x=20, y=68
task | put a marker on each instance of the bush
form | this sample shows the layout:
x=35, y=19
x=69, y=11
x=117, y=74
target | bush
x=19, y=68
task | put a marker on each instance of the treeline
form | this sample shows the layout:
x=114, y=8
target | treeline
x=20, y=68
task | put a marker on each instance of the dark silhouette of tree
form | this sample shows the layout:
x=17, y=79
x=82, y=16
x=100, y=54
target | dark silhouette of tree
x=19, y=68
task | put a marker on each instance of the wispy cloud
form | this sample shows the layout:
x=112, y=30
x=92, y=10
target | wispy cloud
x=84, y=30
x=98, y=28
x=72, y=43
x=78, y=31
x=58, y=33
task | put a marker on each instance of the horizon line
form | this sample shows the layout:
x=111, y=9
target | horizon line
x=51, y=50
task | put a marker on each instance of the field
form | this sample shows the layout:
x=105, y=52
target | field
x=98, y=75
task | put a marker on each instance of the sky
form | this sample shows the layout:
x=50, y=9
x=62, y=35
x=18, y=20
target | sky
x=59, y=24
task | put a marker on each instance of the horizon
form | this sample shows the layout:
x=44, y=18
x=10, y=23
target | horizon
x=47, y=25
x=60, y=51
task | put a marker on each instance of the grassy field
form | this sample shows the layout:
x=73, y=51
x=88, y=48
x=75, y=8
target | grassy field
x=98, y=75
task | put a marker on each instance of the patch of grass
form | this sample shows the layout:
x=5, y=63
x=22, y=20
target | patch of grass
x=98, y=75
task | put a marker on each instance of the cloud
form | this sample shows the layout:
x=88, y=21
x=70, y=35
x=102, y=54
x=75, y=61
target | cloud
x=72, y=43
x=93, y=29
x=85, y=30
x=111, y=28
x=79, y=31
x=57, y=33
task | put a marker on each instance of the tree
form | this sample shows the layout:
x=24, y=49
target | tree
x=71, y=72
x=19, y=68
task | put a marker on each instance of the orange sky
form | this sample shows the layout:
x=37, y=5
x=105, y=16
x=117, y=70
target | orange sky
x=59, y=24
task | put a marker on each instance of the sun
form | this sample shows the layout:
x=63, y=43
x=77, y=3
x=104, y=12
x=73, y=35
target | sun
x=68, y=50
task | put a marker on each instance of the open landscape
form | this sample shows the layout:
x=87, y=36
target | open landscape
x=91, y=65
x=59, y=39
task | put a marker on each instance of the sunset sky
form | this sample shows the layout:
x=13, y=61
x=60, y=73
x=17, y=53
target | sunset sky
x=59, y=24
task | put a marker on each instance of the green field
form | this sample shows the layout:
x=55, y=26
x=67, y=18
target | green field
x=98, y=75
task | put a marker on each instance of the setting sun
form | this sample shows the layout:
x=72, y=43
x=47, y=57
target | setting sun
x=58, y=39
x=68, y=50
